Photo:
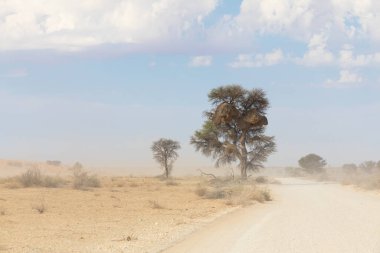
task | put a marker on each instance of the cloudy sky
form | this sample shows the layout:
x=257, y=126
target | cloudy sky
x=97, y=81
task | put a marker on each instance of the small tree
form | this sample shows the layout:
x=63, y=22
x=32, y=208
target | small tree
x=378, y=165
x=349, y=168
x=165, y=153
x=234, y=128
x=312, y=163
x=368, y=166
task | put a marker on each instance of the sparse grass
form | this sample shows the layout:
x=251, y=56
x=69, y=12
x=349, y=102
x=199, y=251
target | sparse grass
x=12, y=183
x=217, y=193
x=128, y=238
x=234, y=192
x=53, y=182
x=15, y=164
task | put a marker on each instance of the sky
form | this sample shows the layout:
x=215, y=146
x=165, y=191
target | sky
x=97, y=81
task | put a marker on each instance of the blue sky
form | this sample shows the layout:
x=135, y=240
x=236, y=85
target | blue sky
x=98, y=81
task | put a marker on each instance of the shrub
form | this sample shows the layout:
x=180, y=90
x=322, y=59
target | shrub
x=261, y=195
x=261, y=180
x=32, y=177
x=216, y=194
x=201, y=191
x=266, y=194
x=81, y=179
x=53, y=182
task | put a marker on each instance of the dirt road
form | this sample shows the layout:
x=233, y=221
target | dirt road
x=305, y=217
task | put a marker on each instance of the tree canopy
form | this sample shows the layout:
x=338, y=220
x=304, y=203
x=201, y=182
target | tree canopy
x=165, y=153
x=234, y=128
x=312, y=163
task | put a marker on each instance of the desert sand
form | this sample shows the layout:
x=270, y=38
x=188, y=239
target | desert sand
x=124, y=215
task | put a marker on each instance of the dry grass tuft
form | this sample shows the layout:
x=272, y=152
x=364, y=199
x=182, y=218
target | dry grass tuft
x=40, y=207
x=155, y=205
x=128, y=238
x=201, y=191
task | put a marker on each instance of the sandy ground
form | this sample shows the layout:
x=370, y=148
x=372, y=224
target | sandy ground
x=125, y=215
x=305, y=217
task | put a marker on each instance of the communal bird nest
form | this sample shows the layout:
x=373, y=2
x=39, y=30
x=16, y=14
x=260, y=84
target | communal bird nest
x=226, y=113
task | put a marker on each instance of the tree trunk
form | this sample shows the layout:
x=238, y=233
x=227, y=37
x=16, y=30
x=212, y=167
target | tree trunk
x=166, y=168
x=243, y=170
x=243, y=156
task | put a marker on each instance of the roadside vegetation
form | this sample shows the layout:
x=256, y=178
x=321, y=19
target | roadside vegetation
x=34, y=178
x=365, y=175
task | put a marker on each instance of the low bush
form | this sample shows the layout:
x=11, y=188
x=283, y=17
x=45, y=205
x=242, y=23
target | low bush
x=32, y=177
x=261, y=180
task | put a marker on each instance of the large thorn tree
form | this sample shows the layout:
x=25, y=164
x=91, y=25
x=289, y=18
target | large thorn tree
x=234, y=128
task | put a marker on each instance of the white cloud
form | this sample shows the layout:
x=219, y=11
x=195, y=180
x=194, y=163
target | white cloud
x=348, y=59
x=346, y=79
x=176, y=24
x=274, y=15
x=259, y=60
x=201, y=61
x=74, y=25
x=317, y=53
